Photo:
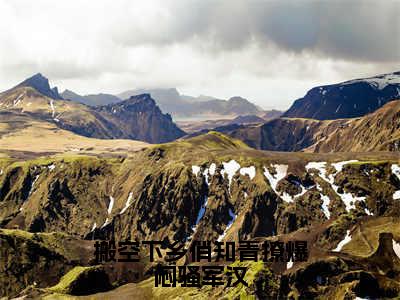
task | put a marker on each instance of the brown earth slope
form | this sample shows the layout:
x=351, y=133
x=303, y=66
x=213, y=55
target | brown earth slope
x=378, y=131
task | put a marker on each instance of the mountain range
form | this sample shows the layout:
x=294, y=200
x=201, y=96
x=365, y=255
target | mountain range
x=137, y=118
x=72, y=174
x=179, y=106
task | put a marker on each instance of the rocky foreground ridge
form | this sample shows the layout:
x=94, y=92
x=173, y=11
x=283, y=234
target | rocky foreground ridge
x=210, y=187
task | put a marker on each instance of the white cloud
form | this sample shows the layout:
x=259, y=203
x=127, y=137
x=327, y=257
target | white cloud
x=269, y=52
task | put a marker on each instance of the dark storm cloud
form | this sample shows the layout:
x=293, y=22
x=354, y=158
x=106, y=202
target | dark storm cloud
x=351, y=30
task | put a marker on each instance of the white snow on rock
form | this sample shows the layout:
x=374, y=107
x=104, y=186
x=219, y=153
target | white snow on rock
x=396, y=171
x=321, y=167
x=345, y=241
x=33, y=184
x=105, y=223
x=348, y=199
x=195, y=170
x=127, y=204
x=230, y=168
x=212, y=169
x=281, y=171
x=396, y=248
x=378, y=82
x=339, y=165
x=325, y=203
x=367, y=211
x=205, y=174
x=94, y=227
x=250, y=171
x=233, y=216
x=53, y=109
x=51, y=167
x=396, y=195
x=110, y=206
x=18, y=100
x=289, y=264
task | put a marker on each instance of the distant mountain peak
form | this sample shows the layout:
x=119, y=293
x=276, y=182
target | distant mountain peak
x=238, y=99
x=41, y=84
x=348, y=99
x=142, y=98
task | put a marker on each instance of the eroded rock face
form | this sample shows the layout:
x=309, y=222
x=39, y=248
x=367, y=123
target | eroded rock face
x=167, y=200
x=139, y=118
x=37, y=259
x=169, y=193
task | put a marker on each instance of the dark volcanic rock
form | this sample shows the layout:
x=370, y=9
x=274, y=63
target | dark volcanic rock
x=41, y=84
x=140, y=118
x=348, y=99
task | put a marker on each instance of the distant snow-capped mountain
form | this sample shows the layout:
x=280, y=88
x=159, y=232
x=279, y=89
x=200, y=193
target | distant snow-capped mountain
x=348, y=99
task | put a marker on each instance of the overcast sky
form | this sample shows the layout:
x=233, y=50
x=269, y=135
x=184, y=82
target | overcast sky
x=270, y=52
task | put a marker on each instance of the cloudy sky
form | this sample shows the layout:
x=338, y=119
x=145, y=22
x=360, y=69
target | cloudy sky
x=270, y=52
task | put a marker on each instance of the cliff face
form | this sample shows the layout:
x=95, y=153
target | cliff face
x=207, y=188
x=140, y=118
x=41, y=84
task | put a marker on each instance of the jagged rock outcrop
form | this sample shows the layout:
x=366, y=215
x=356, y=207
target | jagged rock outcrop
x=140, y=118
x=41, y=84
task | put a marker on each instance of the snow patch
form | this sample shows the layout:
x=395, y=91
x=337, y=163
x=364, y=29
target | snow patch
x=339, y=165
x=378, y=82
x=18, y=100
x=367, y=211
x=396, y=195
x=127, y=204
x=281, y=171
x=94, y=227
x=325, y=203
x=33, y=184
x=250, y=171
x=348, y=199
x=195, y=170
x=110, y=206
x=212, y=169
x=230, y=168
x=289, y=264
x=105, y=223
x=396, y=171
x=345, y=241
x=205, y=174
x=396, y=248
x=51, y=167
x=53, y=109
